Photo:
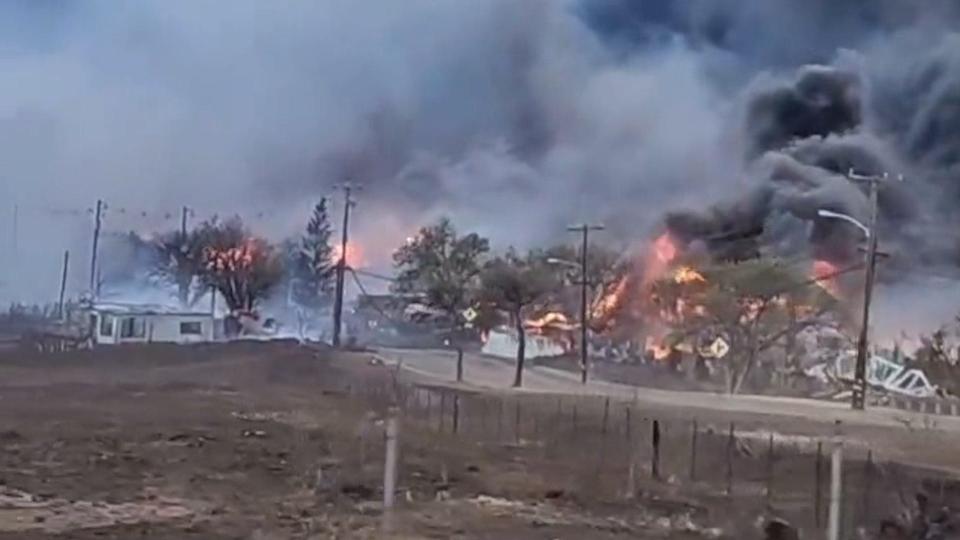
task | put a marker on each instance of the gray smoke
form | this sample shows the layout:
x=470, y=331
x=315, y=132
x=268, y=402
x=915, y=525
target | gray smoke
x=515, y=118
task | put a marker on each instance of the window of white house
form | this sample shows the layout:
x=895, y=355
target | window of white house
x=106, y=325
x=133, y=327
x=191, y=328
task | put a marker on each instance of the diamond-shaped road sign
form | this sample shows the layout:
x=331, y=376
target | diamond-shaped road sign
x=469, y=314
x=719, y=348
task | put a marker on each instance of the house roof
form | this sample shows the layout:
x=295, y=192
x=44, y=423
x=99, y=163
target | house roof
x=120, y=308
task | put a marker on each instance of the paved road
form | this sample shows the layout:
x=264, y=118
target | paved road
x=439, y=366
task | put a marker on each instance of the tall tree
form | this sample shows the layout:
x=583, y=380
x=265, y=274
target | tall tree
x=311, y=267
x=241, y=267
x=180, y=261
x=752, y=305
x=512, y=283
x=443, y=266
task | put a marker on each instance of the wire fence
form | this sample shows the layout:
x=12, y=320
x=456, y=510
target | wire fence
x=601, y=449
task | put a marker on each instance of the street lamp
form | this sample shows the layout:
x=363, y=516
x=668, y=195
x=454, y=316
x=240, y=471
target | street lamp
x=845, y=217
x=858, y=399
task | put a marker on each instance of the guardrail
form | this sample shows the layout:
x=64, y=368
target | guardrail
x=936, y=406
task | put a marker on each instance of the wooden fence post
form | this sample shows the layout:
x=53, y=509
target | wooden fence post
x=655, y=465
x=500, y=419
x=459, y=364
x=818, y=486
x=456, y=413
x=390, y=470
x=443, y=409
x=693, y=452
x=769, y=490
x=429, y=405
x=836, y=487
x=516, y=424
x=867, y=481
x=606, y=416
x=731, y=442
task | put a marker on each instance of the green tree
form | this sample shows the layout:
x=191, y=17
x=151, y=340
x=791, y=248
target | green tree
x=442, y=265
x=513, y=284
x=753, y=305
x=310, y=264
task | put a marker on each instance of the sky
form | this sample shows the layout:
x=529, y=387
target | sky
x=514, y=118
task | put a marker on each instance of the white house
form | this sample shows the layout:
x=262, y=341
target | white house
x=503, y=343
x=114, y=323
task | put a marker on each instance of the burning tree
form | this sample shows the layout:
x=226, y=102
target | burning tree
x=752, y=305
x=443, y=266
x=241, y=267
x=310, y=260
x=513, y=284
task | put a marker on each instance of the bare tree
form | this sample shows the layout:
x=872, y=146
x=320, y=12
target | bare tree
x=243, y=268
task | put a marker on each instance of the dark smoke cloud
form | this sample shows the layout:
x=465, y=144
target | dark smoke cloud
x=820, y=102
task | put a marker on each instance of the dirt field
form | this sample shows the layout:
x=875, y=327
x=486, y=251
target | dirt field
x=274, y=441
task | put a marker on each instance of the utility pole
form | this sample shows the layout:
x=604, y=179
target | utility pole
x=348, y=188
x=584, y=231
x=98, y=214
x=858, y=399
x=183, y=223
x=63, y=283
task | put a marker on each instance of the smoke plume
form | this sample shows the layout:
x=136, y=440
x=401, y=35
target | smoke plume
x=515, y=118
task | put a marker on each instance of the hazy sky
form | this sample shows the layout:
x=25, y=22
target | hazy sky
x=515, y=117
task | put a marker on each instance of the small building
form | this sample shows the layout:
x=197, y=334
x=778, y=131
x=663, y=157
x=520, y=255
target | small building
x=115, y=323
x=502, y=343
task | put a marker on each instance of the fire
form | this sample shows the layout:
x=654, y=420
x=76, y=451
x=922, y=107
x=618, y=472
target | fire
x=685, y=275
x=552, y=319
x=664, y=248
x=235, y=259
x=607, y=303
x=658, y=349
x=824, y=272
x=354, y=256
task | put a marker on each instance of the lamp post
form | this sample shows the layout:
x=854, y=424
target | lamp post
x=858, y=399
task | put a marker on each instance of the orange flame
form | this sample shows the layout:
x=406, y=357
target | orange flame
x=658, y=349
x=824, y=272
x=552, y=319
x=608, y=303
x=235, y=259
x=354, y=256
x=685, y=275
x=664, y=248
